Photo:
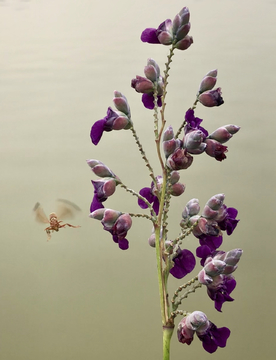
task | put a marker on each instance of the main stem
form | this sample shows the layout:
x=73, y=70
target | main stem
x=167, y=334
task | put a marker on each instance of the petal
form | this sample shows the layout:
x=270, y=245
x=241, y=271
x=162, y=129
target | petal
x=146, y=193
x=97, y=131
x=149, y=36
x=184, y=263
x=96, y=204
x=156, y=205
x=148, y=101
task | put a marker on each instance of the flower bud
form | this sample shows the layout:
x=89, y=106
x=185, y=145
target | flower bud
x=197, y=320
x=142, y=84
x=214, y=267
x=155, y=65
x=193, y=142
x=192, y=208
x=120, y=123
x=231, y=258
x=223, y=134
x=121, y=103
x=174, y=177
x=100, y=169
x=208, y=82
x=211, y=98
x=184, y=43
x=215, y=149
x=110, y=217
x=151, y=73
x=98, y=214
x=185, y=333
x=179, y=159
x=177, y=189
x=122, y=225
x=151, y=240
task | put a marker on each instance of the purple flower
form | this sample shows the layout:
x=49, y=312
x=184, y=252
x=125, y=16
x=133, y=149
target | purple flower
x=213, y=337
x=116, y=223
x=215, y=149
x=147, y=85
x=220, y=289
x=102, y=190
x=229, y=223
x=193, y=123
x=184, y=263
x=208, y=244
x=149, y=194
x=207, y=332
x=148, y=101
x=171, y=32
x=112, y=121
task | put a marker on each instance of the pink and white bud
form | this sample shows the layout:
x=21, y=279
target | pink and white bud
x=179, y=159
x=175, y=176
x=211, y=98
x=208, y=82
x=222, y=134
x=122, y=225
x=142, y=84
x=177, y=189
x=100, y=169
x=121, y=103
x=184, y=43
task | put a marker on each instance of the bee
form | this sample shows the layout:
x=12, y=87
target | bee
x=66, y=209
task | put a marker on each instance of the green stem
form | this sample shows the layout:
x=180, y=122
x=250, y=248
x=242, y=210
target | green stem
x=167, y=334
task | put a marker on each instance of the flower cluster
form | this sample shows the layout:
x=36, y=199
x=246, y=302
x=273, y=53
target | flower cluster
x=153, y=82
x=116, y=223
x=207, y=332
x=114, y=120
x=178, y=154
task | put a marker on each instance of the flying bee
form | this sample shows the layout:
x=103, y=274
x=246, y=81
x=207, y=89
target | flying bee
x=66, y=209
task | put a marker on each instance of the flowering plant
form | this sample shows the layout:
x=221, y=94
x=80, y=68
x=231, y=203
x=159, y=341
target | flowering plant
x=175, y=151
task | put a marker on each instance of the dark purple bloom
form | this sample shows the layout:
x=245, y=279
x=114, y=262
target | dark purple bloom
x=193, y=123
x=184, y=263
x=229, y=223
x=150, y=35
x=148, y=100
x=116, y=223
x=213, y=337
x=112, y=121
x=149, y=195
x=220, y=289
x=102, y=190
x=208, y=244
x=171, y=32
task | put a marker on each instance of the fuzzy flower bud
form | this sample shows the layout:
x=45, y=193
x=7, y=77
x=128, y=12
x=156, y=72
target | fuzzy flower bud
x=231, y=258
x=179, y=159
x=208, y=82
x=211, y=98
x=142, y=84
x=215, y=149
x=177, y=189
x=100, y=169
x=121, y=103
x=224, y=133
x=192, y=208
x=212, y=206
x=193, y=142
x=174, y=177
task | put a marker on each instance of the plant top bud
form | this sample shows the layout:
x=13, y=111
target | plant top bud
x=208, y=82
x=121, y=103
x=100, y=169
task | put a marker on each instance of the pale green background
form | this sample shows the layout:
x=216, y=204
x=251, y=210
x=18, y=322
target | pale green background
x=79, y=296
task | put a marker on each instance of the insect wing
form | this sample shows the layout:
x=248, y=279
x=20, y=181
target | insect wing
x=66, y=209
x=40, y=215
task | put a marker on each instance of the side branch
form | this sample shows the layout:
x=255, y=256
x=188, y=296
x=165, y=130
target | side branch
x=140, y=147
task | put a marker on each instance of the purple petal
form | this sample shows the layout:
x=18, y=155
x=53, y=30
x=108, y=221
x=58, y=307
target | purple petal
x=221, y=335
x=184, y=263
x=149, y=36
x=123, y=244
x=96, y=204
x=148, y=101
x=146, y=193
x=97, y=131
x=156, y=205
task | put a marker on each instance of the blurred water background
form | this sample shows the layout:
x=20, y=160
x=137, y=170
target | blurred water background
x=79, y=296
